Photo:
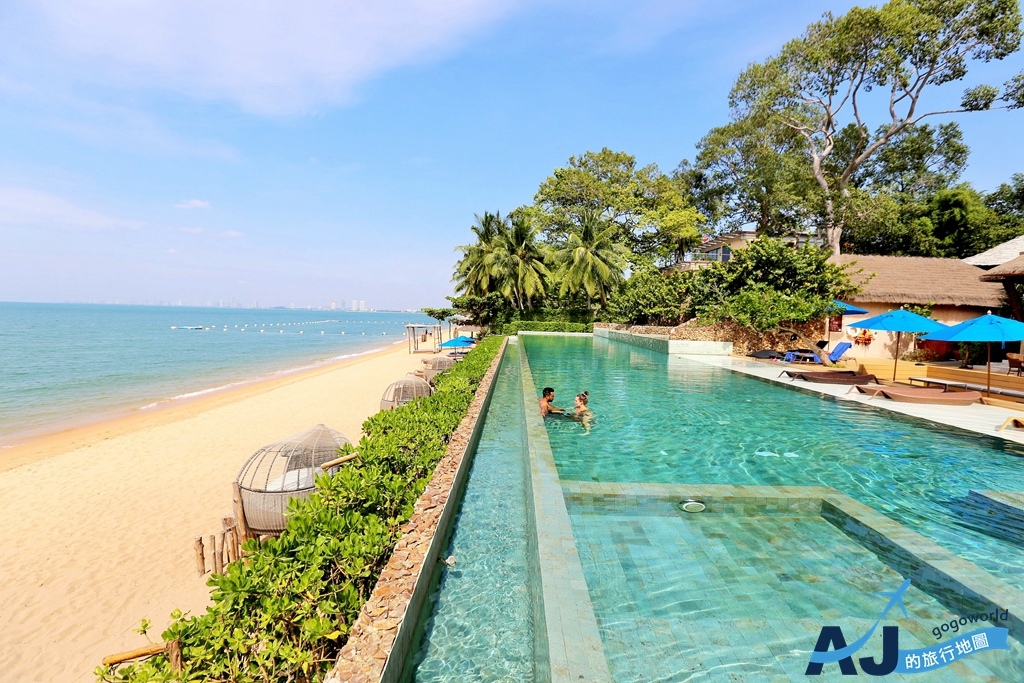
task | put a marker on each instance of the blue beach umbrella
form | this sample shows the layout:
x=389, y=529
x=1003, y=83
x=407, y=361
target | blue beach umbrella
x=849, y=309
x=899, y=321
x=987, y=328
x=458, y=342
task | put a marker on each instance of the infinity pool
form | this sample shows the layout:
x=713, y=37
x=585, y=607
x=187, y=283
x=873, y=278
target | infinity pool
x=677, y=421
x=712, y=597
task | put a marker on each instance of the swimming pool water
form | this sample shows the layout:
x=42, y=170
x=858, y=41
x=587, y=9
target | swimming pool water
x=671, y=420
x=722, y=597
x=714, y=597
x=481, y=628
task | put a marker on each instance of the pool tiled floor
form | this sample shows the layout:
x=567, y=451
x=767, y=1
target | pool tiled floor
x=734, y=596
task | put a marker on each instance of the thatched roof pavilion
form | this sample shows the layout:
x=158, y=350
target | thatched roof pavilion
x=951, y=287
x=920, y=280
x=1009, y=275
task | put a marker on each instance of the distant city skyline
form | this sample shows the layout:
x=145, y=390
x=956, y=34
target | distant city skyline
x=202, y=152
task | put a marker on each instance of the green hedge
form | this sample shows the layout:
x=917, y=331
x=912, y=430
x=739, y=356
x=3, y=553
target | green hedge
x=284, y=613
x=532, y=326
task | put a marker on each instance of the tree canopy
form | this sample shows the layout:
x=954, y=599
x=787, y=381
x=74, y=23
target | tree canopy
x=819, y=83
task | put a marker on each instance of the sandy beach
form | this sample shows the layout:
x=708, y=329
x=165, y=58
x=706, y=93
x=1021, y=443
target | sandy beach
x=100, y=520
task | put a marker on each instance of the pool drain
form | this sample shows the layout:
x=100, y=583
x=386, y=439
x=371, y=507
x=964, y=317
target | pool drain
x=691, y=506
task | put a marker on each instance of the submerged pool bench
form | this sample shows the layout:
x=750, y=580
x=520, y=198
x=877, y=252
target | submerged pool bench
x=966, y=386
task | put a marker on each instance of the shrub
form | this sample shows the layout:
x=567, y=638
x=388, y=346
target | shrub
x=650, y=297
x=531, y=326
x=284, y=613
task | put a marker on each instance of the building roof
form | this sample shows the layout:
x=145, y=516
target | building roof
x=999, y=254
x=725, y=239
x=1014, y=268
x=919, y=280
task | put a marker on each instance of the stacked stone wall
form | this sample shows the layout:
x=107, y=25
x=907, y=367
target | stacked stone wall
x=744, y=340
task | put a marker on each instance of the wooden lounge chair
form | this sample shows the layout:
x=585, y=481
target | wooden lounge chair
x=1015, y=422
x=931, y=396
x=871, y=391
x=839, y=378
x=799, y=374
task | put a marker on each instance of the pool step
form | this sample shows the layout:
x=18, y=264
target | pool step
x=997, y=513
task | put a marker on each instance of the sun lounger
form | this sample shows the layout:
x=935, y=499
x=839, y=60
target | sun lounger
x=799, y=374
x=1015, y=422
x=871, y=391
x=839, y=378
x=931, y=396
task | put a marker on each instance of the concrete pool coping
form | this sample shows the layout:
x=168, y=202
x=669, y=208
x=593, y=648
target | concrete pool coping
x=959, y=584
x=976, y=418
x=573, y=646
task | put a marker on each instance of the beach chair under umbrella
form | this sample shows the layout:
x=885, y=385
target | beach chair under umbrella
x=458, y=342
x=987, y=328
x=900, y=321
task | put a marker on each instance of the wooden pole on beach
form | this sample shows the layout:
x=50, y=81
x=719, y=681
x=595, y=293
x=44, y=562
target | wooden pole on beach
x=243, y=529
x=172, y=648
x=343, y=459
x=200, y=556
x=214, y=561
x=174, y=656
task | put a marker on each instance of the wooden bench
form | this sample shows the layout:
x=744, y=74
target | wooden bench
x=945, y=383
x=966, y=386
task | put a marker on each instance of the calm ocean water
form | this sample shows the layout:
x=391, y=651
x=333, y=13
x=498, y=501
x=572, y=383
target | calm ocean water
x=66, y=364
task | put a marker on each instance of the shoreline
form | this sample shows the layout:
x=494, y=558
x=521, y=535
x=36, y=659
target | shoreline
x=103, y=518
x=101, y=426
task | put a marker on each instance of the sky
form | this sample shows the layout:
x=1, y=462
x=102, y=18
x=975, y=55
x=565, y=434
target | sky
x=317, y=151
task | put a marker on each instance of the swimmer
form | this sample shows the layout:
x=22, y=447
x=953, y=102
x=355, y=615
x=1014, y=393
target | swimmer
x=584, y=415
x=547, y=396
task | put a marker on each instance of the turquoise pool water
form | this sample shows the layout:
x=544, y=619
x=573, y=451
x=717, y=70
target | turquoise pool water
x=726, y=597
x=481, y=626
x=676, y=421
x=715, y=597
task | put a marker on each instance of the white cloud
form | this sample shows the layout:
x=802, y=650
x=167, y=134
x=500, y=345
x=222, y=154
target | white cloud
x=269, y=57
x=22, y=207
x=192, y=204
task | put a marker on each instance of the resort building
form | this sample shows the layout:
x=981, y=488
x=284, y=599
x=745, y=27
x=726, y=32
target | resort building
x=951, y=288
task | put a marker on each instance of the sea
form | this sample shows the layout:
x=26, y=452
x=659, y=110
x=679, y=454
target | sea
x=64, y=365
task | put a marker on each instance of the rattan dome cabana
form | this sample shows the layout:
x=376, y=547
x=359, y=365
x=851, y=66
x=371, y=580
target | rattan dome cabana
x=404, y=390
x=283, y=470
x=436, y=365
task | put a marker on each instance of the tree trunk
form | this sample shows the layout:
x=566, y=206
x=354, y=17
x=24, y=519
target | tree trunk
x=833, y=230
x=808, y=343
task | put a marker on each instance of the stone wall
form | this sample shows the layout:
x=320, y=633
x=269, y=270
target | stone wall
x=744, y=340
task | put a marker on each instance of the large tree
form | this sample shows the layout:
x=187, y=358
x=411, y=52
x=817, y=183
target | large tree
x=590, y=260
x=753, y=168
x=650, y=211
x=898, y=53
x=770, y=286
x=518, y=263
x=475, y=270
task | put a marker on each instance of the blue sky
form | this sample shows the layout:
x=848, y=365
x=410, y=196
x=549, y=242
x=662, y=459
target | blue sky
x=304, y=152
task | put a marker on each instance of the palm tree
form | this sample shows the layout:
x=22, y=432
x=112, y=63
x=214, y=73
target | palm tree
x=517, y=263
x=590, y=260
x=473, y=272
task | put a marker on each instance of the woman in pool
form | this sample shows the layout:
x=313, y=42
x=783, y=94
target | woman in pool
x=584, y=415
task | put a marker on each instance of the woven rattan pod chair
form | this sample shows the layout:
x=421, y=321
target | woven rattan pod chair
x=287, y=469
x=404, y=390
x=436, y=365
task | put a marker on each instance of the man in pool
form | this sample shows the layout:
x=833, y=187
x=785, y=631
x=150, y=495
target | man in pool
x=547, y=396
